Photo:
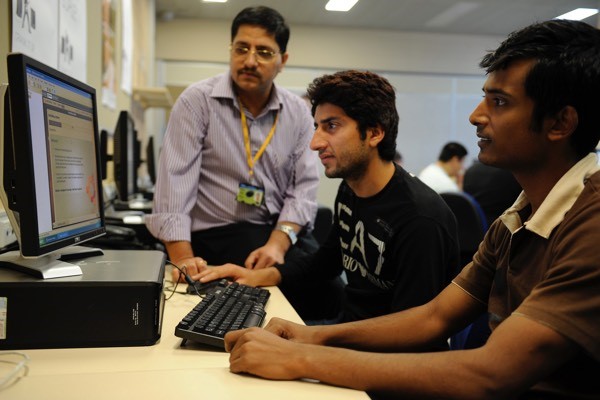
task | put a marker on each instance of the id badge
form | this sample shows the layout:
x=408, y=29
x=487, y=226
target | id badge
x=252, y=195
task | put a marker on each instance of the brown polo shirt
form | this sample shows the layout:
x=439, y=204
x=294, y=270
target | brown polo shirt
x=548, y=269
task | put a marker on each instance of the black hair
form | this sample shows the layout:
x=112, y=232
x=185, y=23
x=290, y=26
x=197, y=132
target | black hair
x=566, y=73
x=452, y=149
x=366, y=97
x=265, y=17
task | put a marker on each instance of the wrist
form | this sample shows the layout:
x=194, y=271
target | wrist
x=289, y=232
x=267, y=276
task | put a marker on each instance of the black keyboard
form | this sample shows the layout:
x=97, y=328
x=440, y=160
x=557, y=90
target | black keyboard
x=228, y=307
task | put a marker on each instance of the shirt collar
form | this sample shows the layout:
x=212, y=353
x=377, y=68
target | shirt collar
x=556, y=204
x=224, y=89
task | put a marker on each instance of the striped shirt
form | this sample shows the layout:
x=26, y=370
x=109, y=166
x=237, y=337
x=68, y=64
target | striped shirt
x=203, y=161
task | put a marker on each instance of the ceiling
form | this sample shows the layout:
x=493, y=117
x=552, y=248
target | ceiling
x=476, y=17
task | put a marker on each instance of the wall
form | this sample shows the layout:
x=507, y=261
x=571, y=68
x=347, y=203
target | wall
x=143, y=66
x=436, y=77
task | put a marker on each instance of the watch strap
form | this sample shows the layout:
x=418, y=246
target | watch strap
x=289, y=231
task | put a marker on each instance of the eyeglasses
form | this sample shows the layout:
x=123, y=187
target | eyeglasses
x=262, y=55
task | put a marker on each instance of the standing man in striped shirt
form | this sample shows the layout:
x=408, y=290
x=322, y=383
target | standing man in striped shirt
x=237, y=181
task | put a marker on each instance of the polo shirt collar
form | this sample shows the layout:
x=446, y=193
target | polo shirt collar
x=554, y=207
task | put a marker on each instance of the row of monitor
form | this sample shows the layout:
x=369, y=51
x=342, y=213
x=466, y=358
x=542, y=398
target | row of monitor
x=126, y=157
x=51, y=165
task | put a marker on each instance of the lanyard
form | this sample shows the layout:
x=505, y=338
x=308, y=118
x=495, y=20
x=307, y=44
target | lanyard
x=259, y=153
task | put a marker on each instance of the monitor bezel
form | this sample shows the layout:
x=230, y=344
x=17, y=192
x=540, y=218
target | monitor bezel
x=124, y=168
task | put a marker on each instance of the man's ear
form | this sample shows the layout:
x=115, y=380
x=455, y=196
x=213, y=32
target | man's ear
x=563, y=124
x=375, y=135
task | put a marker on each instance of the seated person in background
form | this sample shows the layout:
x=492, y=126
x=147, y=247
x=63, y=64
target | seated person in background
x=393, y=236
x=236, y=180
x=537, y=272
x=398, y=158
x=494, y=189
x=445, y=175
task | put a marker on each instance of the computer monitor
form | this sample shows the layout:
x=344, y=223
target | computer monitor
x=150, y=160
x=49, y=160
x=104, y=156
x=124, y=159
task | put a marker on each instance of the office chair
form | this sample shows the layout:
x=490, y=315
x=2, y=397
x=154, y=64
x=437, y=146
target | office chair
x=323, y=223
x=472, y=226
x=471, y=222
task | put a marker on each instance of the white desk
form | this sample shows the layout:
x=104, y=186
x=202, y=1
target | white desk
x=165, y=370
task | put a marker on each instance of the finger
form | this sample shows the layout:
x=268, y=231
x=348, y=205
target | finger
x=232, y=338
x=212, y=273
x=176, y=275
x=251, y=260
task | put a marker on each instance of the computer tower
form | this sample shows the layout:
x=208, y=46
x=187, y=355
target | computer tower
x=117, y=301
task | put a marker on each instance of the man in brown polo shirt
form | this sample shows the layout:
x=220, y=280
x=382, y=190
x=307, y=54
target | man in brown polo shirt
x=537, y=271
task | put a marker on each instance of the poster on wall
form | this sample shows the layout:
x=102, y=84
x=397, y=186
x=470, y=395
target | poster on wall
x=35, y=29
x=109, y=78
x=72, y=41
x=126, y=45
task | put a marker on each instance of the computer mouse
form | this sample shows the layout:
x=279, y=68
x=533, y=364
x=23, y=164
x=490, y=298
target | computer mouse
x=206, y=287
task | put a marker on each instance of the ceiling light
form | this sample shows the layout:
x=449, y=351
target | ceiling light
x=452, y=14
x=340, y=5
x=214, y=1
x=578, y=14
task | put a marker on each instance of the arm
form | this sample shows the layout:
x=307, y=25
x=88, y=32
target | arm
x=518, y=354
x=296, y=190
x=273, y=252
x=257, y=277
x=177, y=182
x=182, y=255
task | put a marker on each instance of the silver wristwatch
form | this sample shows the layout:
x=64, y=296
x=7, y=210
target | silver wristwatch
x=289, y=231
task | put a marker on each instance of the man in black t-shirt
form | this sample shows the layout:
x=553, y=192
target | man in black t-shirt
x=394, y=237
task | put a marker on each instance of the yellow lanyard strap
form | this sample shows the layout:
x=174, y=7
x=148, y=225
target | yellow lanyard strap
x=259, y=153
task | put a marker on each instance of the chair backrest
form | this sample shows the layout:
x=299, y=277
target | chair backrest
x=323, y=223
x=472, y=226
x=471, y=222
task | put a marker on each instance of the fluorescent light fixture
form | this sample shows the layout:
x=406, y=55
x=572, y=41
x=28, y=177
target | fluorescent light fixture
x=214, y=1
x=340, y=5
x=452, y=14
x=578, y=14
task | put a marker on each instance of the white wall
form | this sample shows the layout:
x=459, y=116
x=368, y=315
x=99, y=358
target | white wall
x=436, y=77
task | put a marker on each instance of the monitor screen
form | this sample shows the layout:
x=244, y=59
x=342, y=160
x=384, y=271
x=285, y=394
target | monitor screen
x=124, y=157
x=150, y=160
x=51, y=189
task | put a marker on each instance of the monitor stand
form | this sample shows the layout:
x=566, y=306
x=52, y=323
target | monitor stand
x=53, y=265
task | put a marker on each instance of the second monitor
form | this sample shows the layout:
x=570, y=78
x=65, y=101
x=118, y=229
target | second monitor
x=126, y=161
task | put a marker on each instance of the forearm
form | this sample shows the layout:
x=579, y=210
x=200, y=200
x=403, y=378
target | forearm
x=432, y=375
x=179, y=250
x=264, y=277
x=413, y=330
x=519, y=353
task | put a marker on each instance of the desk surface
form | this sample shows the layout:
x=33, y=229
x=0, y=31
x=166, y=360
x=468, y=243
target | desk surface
x=165, y=370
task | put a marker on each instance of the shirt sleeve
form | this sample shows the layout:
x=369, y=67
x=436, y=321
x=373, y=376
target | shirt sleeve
x=178, y=172
x=426, y=258
x=567, y=297
x=325, y=264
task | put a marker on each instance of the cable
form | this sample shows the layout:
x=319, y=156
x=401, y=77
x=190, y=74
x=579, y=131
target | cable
x=188, y=279
x=18, y=366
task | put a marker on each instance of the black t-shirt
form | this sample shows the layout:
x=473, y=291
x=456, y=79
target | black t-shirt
x=398, y=248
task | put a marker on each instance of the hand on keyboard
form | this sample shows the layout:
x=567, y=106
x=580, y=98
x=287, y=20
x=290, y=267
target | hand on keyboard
x=200, y=288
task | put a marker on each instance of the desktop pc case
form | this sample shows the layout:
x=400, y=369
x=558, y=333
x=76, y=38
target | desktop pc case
x=117, y=301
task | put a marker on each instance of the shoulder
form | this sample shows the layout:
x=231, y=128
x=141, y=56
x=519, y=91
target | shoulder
x=292, y=102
